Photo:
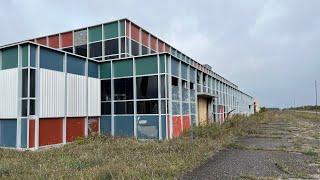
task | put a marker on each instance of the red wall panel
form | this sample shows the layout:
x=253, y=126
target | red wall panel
x=177, y=126
x=135, y=33
x=93, y=125
x=75, y=128
x=167, y=48
x=153, y=42
x=145, y=38
x=161, y=46
x=54, y=41
x=50, y=131
x=186, y=122
x=66, y=39
x=127, y=28
x=31, y=133
x=42, y=41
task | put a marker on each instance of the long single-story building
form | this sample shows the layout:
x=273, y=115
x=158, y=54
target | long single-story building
x=115, y=79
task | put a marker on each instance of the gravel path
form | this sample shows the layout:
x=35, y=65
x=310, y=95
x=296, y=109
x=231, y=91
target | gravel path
x=275, y=151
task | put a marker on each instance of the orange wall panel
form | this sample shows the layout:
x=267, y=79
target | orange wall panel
x=186, y=122
x=135, y=33
x=66, y=39
x=93, y=125
x=54, y=41
x=50, y=131
x=42, y=41
x=177, y=126
x=75, y=128
x=31, y=133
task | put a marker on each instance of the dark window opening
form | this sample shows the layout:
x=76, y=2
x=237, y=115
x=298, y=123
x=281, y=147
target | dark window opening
x=147, y=107
x=25, y=83
x=145, y=50
x=24, y=108
x=32, y=83
x=184, y=84
x=106, y=90
x=147, y=87
x=96, y=49
x=174, y=81
x=163, y=86
x=70, y=49
x=111, y=47
x=123, y=107
x=135, y=48
x=191, y=85
x=123, y=89
x=81, y=50
x=123, y=45
x=106, y=108
x=32, y=107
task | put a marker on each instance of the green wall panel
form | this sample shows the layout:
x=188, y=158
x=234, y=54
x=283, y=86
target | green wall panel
x=111, y=30
x=122, y=68
x=95, y=33
x=123, y=28
x=25, y=56
x=146, y=65
x=162, y=64
x=105, y=70
x=10, y=58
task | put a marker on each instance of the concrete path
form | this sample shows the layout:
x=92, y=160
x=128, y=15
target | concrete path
x=279, y=149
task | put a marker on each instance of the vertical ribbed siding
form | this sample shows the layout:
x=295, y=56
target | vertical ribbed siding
x=52, y=90
x=8, y=93
x=94, y=97
x=76, y=93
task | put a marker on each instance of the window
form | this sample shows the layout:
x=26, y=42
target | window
x=32, y=83
x=174, y=81
x=106, y=90
x=32, y=107
x=106, y=108
x=184, y=71
x=198, y=77
x=50, y=59
x=163, y=107
x=70, y=49
x=145, y=50
x=75, y=65
x=163, y=86
x=123, y=45
x=191, y=85
x=24, y=108
x=25, y=83
x=33, y=55
x=123, y=89
x=111, y=47
x=135, y=48
x=81, y=50
x=146, y=65
x=147, y=107
x=174, y=67
x=125, y=107
x=147, y=87
x=192, y=75
x=96, y=49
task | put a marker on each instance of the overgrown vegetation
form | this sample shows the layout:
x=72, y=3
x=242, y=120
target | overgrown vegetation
x=125, y=158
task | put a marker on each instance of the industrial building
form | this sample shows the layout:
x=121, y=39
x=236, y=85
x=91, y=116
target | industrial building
x=115, y=79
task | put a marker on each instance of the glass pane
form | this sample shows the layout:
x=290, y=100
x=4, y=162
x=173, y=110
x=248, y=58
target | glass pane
x=25, y=83
x=111, y=47
x=184, y=71
x=32, y=107
x=106, y=108
x=147, y=87
x=123, y=89
x=174, y=67
x=147, y=107
x=24, y=108
x=33, y=55
x=125, y=107
x=145, y=50
x=32, y=83
x=163, y=86
x=135, y=48
x=81, y=50
x=95, y=49
x=70, y=49
x=106, y=90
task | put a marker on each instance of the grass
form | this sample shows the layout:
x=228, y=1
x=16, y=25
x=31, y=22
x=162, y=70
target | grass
x=127, y=158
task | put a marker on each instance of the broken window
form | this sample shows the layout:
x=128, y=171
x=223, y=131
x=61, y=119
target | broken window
x=123, y=89
x=106, y=90
x=147, y=87
x=125, y=107
x=147, y=107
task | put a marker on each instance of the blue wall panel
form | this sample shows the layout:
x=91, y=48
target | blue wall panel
x=105, y=125
x=164, y=128
x=50, y=59
x=123, y=126
x=148, y=127
x=8, y=133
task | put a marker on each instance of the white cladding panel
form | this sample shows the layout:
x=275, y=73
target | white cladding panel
x=94, y=97
x=76, y=93
x=52, y=90
x=9, y=93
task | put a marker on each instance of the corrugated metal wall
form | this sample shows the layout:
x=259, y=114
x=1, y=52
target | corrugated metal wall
x=8, y=93
x=94, y=97
x=52, y=90
x=76, y=93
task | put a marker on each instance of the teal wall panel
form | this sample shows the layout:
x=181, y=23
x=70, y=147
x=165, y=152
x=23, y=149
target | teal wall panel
x=146, y=65
x=122, y=68
x=8, y=133
x=111, y=30
x=95, y=33
x=105, y=70
x=10, y=58
x=25, y=55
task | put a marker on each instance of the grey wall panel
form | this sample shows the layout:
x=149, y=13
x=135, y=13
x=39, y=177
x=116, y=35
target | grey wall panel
x=8, y=93
x=94, y=107
x=52, y=89
x=80, y=37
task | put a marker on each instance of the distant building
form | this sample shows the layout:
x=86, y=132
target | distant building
x=114, y=79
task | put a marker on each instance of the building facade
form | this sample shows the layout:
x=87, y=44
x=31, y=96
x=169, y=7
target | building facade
x=115, y=79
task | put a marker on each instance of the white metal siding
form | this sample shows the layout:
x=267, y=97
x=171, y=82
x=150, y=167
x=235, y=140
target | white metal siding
x=76, y=94
x=9, y=93
x=94, y=97
x=52, y=90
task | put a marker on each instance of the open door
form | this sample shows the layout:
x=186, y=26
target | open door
x=203, y=110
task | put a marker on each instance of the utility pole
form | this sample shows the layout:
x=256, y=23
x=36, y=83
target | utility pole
x=316, y=87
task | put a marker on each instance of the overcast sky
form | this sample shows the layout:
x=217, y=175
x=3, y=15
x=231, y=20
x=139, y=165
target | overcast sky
x=270, y=49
